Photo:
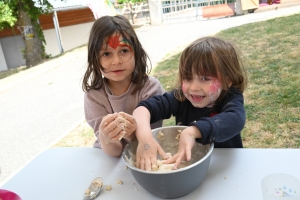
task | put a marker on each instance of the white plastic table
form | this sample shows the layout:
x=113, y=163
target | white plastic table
x=65, y=173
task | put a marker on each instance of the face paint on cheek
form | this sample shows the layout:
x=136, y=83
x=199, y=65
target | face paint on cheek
x=215, y=90
x=215, y=86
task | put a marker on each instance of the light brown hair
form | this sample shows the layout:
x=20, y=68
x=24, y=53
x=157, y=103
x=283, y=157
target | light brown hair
x=101, y=30
x=212, y=56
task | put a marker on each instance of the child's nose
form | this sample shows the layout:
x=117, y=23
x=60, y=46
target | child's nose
x=195, y=85
x=116, y=59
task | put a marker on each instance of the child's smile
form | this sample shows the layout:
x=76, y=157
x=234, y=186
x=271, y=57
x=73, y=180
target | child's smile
x=197, y=98
x=202, y=91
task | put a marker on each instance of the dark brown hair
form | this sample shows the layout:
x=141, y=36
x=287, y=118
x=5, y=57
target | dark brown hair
x=212, y=56
x=101, y=30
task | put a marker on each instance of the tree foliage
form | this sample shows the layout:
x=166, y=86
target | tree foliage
x=23, y=13
x=6, y=16
x=10, y=10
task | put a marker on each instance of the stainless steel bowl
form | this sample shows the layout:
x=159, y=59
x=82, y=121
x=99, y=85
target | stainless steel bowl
x=175, y=183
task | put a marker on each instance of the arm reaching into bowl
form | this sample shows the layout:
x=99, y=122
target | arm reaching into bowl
x=148, y=147
x=186, y=143
x=208, y=96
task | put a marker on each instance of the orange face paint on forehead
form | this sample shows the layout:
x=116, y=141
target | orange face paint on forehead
x=117, y=40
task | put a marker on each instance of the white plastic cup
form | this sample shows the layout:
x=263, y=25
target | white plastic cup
x=280, y=186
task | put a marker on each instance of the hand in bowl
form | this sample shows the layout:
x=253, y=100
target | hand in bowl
x=146, y=154
x=186, y=143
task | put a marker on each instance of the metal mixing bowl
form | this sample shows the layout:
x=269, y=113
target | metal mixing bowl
x=175, y=183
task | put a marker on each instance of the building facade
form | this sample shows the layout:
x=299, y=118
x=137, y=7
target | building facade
x=71, y=31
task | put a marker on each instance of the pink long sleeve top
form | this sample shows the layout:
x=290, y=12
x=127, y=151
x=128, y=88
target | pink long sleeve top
x=99, y=103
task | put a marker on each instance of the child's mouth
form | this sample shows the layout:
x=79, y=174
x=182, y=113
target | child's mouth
x=197, y=97
x=117, y=71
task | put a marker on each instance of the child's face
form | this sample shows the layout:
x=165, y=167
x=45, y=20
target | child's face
x=117, y=59
x=202, y=91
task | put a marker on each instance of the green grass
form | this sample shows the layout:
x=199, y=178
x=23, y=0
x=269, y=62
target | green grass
x=272, y=98
x=7, y=73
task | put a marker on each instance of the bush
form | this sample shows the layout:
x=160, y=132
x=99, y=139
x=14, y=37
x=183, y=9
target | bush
x=130, y=1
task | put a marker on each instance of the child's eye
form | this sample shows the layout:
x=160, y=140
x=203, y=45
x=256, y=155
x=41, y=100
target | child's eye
x=205, y=78
x=105, y=54
x=125, y=51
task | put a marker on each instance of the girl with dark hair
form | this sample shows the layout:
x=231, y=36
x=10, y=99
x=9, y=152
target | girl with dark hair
x=115, y=81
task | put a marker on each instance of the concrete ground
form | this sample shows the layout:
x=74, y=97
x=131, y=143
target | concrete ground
x=41, y=105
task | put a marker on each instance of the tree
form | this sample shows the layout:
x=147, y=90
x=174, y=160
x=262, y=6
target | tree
x=25, y=15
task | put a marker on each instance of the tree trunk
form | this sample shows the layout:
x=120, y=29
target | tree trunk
x=33, y=46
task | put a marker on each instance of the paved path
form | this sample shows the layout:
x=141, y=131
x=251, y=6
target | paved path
x=41, y=105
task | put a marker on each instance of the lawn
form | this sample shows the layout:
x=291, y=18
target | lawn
x=272, y=98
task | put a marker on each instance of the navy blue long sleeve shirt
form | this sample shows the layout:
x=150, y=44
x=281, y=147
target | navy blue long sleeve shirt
x=220, y=124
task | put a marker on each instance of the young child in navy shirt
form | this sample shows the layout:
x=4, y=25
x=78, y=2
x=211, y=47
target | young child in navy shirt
x=208, y=99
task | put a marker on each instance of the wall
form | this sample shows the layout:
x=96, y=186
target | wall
x=12, y=46
x=75, y=25
x=3, y=65
x=71, y=36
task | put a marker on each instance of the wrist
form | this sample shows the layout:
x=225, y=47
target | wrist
x=105, y=141
x=195, y=132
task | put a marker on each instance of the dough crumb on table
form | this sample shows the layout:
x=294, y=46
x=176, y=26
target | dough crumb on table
x=120, y=182
x=108, y=188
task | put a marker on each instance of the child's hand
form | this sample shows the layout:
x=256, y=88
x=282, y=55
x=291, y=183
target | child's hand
x=112, y=128
x=130, y=126
x=186, y=143
x=146, y=154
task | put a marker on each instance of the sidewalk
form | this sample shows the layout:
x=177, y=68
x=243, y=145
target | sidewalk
x=44, y=103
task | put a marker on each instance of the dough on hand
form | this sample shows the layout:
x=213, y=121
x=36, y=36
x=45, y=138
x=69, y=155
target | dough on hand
x=121, y=119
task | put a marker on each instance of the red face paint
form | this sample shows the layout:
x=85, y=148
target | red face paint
x=114, y=41
x=215, y=86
